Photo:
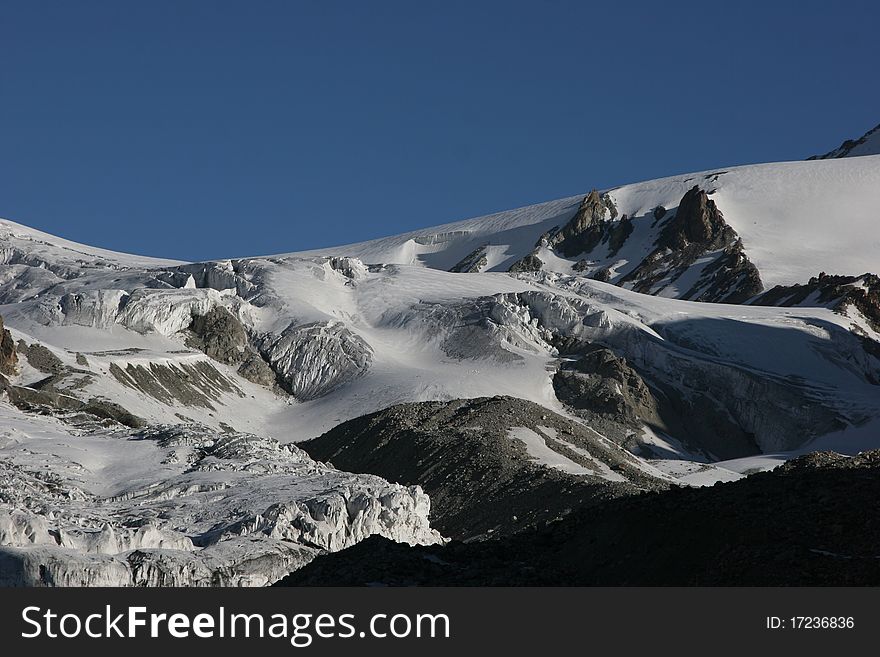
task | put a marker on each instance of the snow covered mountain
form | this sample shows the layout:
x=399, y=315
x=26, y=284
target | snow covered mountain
x=739, y=231
x=149, y=407
x=867, y=144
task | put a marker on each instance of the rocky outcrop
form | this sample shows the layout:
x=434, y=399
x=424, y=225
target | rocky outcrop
x=697, y=221
x=41, y=357
x=692, y=244
x=867, y=144
x=8, y=355
x=529, y=263
x=695, y=231
x=610, y=395
x=615, y=399
x=839, y=293
x=589, y=226
x=221, y=336
x=483, y=482
x=256, y=370
x=472, y=263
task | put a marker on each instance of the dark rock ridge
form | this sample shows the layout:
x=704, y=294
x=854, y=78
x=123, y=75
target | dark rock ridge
x=41, y=357
x=528, y=263
x=472, y=263
x=698, y=228
x=697, y=221
x=482, y=482
x=589, y=226
x=50, y=397
x=832, y=291
x=191, y=384
x=616, y=400
x=8, y=356
x=847, y=146
x=812, y=521
x=684, y=238
x=610, y=395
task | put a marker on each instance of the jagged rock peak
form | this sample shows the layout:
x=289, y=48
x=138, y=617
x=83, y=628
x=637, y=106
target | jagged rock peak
x=472, y=263
x=697, y=221
x=586, y=229
x=592, y=209
x=867, y=144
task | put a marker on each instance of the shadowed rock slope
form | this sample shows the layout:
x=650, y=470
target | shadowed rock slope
x=812, y=521
x=482, y=480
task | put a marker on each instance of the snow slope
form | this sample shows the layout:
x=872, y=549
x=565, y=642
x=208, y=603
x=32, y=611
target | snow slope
x=867, y=144
x=795, y=219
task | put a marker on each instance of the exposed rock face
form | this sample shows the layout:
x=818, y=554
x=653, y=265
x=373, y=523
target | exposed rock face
x=8, y=355
x=836, y=292
x=482, y=480
x=223, y=337
x=692, y=244
x=587, y=228
x=604, y=390
x=698, y=229
x=310, y=360
x=220, y=335
x=472, y=263
x=196, y=383
x=697, y=221
x=41, y=358
x=614, y=398
x=802, y=524
x=529, y=263
x=867, y=144
x=272, y=509
x=256, y=370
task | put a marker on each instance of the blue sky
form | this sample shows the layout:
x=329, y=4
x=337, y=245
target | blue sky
x=196, y=129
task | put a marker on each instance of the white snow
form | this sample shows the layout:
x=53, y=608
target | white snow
x=537, y=448
x=355, y=339
x=795, y=218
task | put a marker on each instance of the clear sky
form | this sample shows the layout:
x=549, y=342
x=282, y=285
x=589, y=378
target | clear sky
x=208, y=129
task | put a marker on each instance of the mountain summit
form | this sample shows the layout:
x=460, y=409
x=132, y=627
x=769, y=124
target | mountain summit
x=867, y=144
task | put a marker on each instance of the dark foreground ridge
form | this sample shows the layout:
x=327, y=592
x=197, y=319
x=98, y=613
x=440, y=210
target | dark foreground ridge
x=812, y=521
x=482, y=481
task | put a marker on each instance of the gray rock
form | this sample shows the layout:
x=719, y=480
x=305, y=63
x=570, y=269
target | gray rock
x=472, y=263
x=220, y=335
x=41, y=358
x=587, y=228
x=461, y=453
x=530, y=263
x=697, y=228
x=8, y=356
x=256, y=370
